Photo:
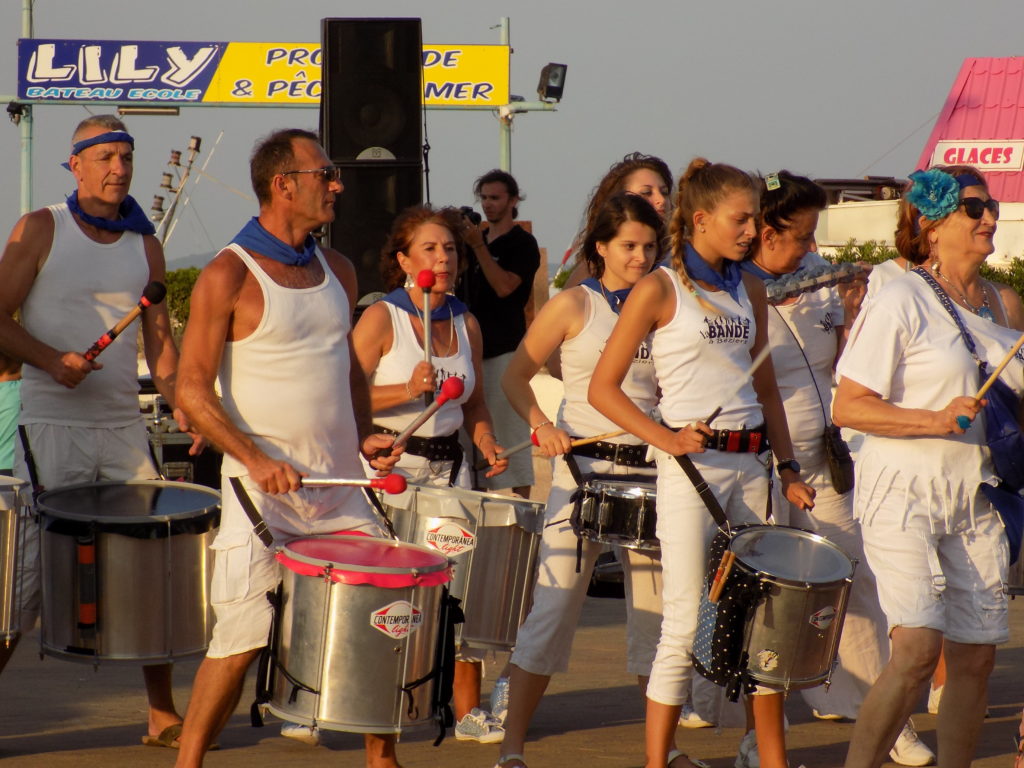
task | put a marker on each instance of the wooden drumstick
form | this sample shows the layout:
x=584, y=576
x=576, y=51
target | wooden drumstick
x=761, y=357
x=721, y=576
x=533, y=441
x=963, y=421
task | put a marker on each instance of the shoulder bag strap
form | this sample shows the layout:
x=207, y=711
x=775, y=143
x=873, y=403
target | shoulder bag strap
x=807, y=362
x=947, y=304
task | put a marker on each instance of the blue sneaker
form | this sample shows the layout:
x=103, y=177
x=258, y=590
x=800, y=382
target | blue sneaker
x=499, y=700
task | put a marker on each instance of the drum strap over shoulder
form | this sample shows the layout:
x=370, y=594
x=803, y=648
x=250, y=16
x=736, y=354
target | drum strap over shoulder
x=704, y=491
x=30, y=461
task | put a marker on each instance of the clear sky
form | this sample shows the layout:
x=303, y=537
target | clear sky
x=821, y=87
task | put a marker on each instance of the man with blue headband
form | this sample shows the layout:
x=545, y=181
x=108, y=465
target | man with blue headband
x=74, y=270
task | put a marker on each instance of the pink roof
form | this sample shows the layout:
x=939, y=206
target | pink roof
x=986, y=103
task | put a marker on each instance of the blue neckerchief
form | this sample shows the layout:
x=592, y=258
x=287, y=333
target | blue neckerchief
x=754, y=269
x=254, y=237
x=401, y=299
x=615, y=299
x=727, y=280
x=132, y=217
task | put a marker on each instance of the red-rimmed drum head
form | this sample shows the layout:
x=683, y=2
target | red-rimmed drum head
x=364, y=560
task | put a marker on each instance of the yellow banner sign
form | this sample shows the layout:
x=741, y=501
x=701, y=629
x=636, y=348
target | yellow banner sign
x=289, y=74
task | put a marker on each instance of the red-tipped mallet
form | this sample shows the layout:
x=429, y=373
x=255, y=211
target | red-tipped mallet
x=393, y=483
x=451, y=389
x=152, y=294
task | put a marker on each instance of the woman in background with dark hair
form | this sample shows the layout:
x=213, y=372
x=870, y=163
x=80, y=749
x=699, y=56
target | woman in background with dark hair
x=934, y=542
x=620, y=247
x=388, y=342
x=707, y=321
x=806, y=336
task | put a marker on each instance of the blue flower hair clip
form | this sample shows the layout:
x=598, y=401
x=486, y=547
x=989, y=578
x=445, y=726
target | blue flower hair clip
x=935, y=193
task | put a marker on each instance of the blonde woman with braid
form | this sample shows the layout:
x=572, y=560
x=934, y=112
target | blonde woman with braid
x=707, y=321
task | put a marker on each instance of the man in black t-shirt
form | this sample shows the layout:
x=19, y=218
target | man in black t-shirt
x=497, y=286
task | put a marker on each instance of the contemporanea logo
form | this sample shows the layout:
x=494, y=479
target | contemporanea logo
x=397, y=619
x=450, y=538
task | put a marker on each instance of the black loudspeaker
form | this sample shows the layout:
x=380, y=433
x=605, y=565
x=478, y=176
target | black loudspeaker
x=371, y=104
x=374, y=194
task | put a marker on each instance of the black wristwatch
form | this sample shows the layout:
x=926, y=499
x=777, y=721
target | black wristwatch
x=792, y=464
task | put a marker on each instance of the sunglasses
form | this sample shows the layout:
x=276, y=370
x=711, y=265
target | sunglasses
x=332, y=173
x=975, y=207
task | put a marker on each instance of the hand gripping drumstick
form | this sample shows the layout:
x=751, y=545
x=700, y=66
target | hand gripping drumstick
x=425, y=279
x=962, y=421
x=152, y=294
x=393, y=483
x=451, y=389
x=533, y=441
x=761, y=357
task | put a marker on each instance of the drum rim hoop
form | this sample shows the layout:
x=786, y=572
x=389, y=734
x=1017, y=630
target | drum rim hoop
x=59, y=514
x=284, y=551
x=803, y=532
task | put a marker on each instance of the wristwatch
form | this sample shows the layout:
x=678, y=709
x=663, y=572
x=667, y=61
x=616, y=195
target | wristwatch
x=792, y=464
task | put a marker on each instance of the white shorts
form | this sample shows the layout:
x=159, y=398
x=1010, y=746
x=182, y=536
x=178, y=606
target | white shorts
x=949, y=581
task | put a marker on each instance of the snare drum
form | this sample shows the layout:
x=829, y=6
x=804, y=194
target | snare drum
x=618, y=511
x=358, y=621
x=780, y=613
x=126, y=569
x=15, y=504
x=493, y=543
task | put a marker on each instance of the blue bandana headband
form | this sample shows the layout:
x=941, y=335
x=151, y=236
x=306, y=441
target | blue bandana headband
x=253, y=237
x=727, y=280
x=936, y=194
x=103, y=138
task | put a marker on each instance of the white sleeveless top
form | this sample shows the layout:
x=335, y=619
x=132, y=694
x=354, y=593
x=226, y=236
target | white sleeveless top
x=286, y=385
x=83, y=289
x=700, y=356
x=396, y=366
x=579, y=357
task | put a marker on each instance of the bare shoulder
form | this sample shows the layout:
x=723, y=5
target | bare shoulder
x=32, y=234
x=224, y=275
x=340, y=265
x=375, y=319
x=569, y=300
x=155, y=257
x=753, y=284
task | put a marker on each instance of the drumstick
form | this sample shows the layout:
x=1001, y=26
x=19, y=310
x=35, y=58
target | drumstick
x=393, y=483
x=152, y=294
x=963, y=421
x=533, y=441
x=425, y=279
x=761, y=357
x=721, y=576
x=451, y=389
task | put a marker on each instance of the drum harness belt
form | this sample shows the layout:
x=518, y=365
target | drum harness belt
x=442, y=675
x=444, y=448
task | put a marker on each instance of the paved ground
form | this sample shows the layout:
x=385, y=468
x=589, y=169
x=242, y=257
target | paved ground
x=61, y=714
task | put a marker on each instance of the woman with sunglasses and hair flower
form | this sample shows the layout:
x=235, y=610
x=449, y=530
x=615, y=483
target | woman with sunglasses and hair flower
x=933, y=541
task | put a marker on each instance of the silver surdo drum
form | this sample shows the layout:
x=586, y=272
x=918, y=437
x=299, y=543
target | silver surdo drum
x=126, y=570
x=492, y=541
x=780, y=613
x=15, y=506
x=358, y=622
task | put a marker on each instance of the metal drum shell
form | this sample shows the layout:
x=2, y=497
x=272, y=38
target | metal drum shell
x=152, y=571
x=495, y=578
x=326, y=641
x=15, y=506
x=1015, y=576
x=632, y=508
x=786, y=647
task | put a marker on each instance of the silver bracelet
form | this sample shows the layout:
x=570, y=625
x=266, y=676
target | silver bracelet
x=409, y=391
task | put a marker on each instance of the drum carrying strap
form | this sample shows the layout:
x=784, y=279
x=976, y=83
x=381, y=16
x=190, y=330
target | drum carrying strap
x=30, y=462
x=376, y=504
x=259, y=525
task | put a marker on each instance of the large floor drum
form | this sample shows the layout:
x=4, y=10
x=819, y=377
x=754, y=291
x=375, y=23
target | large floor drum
x=493, y=542
x=126, y=570
x=15, y=503
x=358, y=622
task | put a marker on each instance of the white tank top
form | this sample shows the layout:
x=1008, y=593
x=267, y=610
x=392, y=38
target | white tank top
x=579, y=357
x=286, y=385
x=83, y=289
x=701, y=356
x=396, y=366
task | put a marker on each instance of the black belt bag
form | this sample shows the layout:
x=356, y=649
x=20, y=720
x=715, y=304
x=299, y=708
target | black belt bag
x=446, y=448
x=617, y=453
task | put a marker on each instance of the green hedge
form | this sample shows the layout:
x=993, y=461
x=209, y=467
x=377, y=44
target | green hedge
x=180, y=283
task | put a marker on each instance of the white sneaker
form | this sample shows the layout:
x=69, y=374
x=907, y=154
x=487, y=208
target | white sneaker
x=747, y=756
x=934, y=697
x=478, y=725
x=688, y=718
x=909, y=749
x=307, y=734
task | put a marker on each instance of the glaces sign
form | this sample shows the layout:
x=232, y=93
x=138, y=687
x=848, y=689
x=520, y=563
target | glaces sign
x=992, y=155
x=234, y=74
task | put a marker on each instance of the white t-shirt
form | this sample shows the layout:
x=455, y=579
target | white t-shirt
x=882, y=274
x=814, y=318
x=906, y=347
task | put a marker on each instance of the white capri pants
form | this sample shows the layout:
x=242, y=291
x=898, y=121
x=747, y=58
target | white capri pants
x=686, y=528
x=544, y=642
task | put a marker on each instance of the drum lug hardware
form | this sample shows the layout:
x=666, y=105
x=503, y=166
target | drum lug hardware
x=397, y=649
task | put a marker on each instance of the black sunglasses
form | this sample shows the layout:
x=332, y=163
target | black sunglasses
x=975, y=207
x=333, y=173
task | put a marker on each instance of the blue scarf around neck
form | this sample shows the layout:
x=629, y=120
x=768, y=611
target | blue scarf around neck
x=615, y=299
x=727, y=280
x=756, y=271
x=253, y=237
x=451, y=306
x=131, y=217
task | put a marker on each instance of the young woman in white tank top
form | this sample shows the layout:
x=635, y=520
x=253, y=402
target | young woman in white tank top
x=388, y=342
x=620, y=245
x=708, y=322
